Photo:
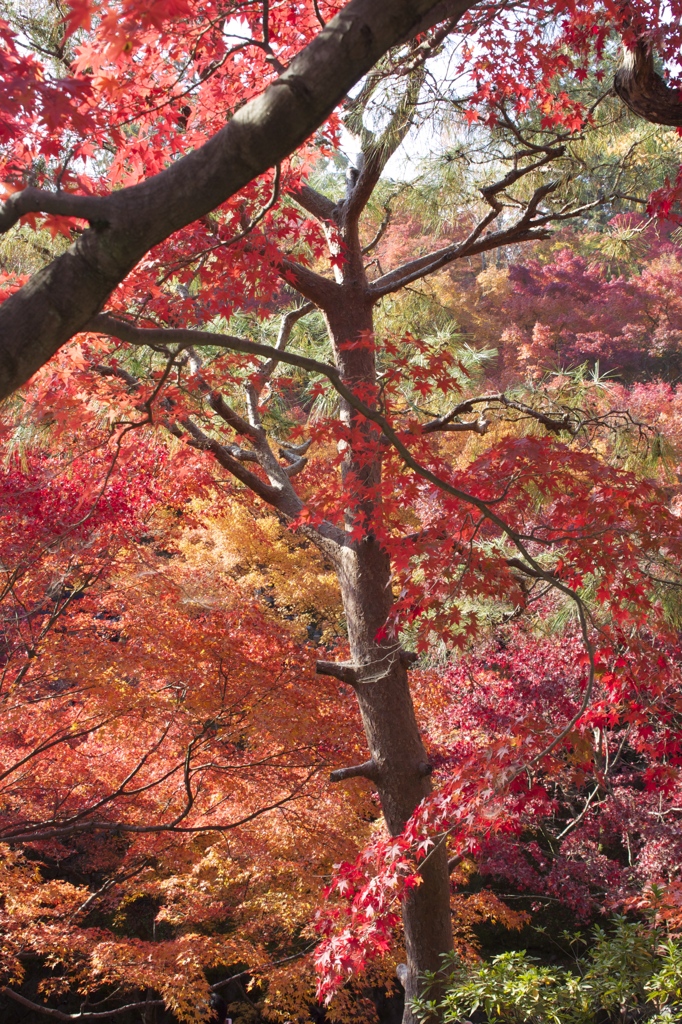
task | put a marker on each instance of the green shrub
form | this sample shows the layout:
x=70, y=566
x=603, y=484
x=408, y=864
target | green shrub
x=626, y=974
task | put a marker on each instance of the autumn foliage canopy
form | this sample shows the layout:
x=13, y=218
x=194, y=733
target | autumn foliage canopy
x=296, y=380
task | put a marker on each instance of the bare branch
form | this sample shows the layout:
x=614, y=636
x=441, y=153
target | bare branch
x=286, y=327
x=296, y=467
x=567, y=422
x=295, y=449
x=490, y=192
x=424, y=265
x=115, y=827
x=46, y=1011
x=477, y=426
x=279, y=492
x=381, y=231
x=317, y=14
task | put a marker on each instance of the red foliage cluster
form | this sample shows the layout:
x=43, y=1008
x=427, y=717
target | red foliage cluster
x=569, y=311
x=155, y=704
x=592, y=822
x=148, y=754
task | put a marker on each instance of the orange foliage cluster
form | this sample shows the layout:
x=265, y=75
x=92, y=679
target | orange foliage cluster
x=164, y=741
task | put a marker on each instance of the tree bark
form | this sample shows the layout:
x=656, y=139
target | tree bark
x=382, y=687
x=643, y=90
x=397, y=751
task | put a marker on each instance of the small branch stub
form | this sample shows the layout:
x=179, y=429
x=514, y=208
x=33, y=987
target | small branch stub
x=366, y=770
x=342, y=670
x=408, y=658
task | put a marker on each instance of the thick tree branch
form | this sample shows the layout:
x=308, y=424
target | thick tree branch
x=217, y=402
x=60, y=299
x=342, y=670
x=491, y=192
x=644, y=91
x=444, y=10
x=314, y=203
x=477, y=426
x=222, y=454
x=66, y=204
x=228, y=414
x=321, y=291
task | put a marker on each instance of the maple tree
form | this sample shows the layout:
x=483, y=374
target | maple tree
x=622, y=314
x=151, y=762
x=424, y=505
x=70, y=113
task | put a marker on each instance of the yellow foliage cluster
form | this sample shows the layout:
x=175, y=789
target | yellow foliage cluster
x=269, y=561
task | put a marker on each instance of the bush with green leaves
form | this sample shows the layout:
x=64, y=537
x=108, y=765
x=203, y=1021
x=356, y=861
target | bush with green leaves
x=628, y=973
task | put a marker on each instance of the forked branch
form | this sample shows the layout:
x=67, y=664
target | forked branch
x=530, y=225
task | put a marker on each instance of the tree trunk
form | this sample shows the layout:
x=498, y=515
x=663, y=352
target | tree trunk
x=397, y=751
x=383, y=691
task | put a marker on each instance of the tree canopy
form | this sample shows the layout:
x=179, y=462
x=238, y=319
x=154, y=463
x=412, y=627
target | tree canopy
x=340, y=613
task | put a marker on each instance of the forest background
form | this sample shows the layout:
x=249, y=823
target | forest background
x=348, y=425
